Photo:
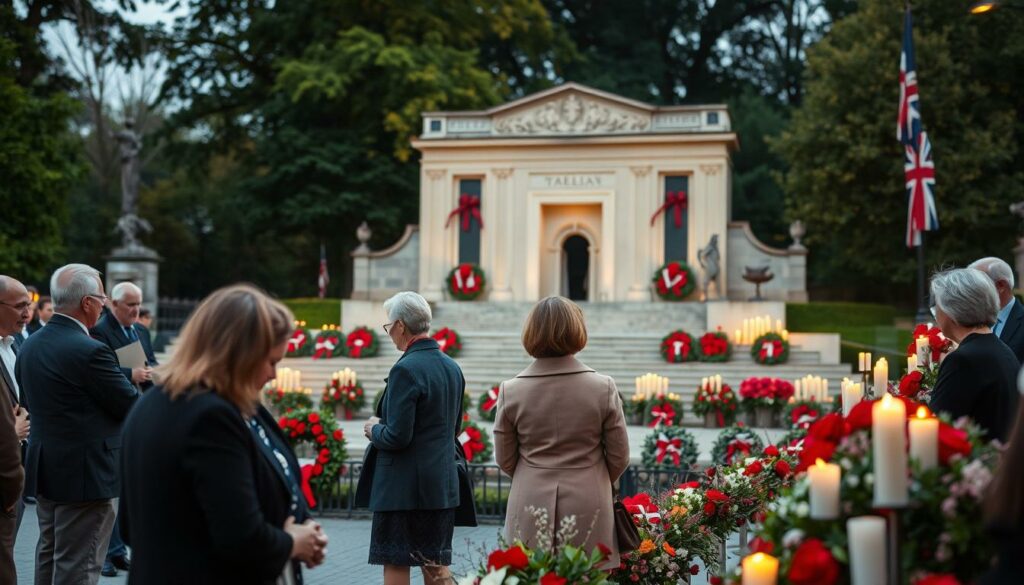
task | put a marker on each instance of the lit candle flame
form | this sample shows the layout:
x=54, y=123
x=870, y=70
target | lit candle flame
x=922, y=412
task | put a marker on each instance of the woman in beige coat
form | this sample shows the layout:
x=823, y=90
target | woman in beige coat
x=560, y=434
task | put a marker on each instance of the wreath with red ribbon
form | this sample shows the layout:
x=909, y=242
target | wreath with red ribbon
x=677, y=347
x=669, y=449
x=328, y=343
x=723, y=403
x=487, y=407
x=300, y=344
x=466, y=282
x=350, y=397
x=475, y=443
x=770, y=349
x=735, y=442
x=674, y=281
x=361, y=343
x=448, y=340
x=319, y=430
x=664, y=412
x=802, y=414
x=714, y=346
x=287, y=401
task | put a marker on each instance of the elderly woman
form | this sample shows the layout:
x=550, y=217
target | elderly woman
x=979, y=379
x=211, y=488
x=409, y=479
x=560, y=434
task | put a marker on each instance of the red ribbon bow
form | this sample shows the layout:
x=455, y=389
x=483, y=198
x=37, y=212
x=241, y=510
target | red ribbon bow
x=297, y=340
x=663, y=414
x=469, y=207
x=324, y=347
x=668, y=446
x=471, y=443
x=307, y=490
x=737, y=446
x=492, y=399
x=355, y=349
x=677, y=201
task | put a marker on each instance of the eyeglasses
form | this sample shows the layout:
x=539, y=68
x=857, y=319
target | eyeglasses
x=387, y=326
x=20, y=307
x=100, y=298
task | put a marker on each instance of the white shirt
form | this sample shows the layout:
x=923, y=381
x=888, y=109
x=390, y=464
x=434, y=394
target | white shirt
x=8, y=357
x=80, y=324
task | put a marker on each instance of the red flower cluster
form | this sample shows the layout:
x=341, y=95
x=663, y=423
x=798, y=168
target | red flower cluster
x=641, y=506
x=552, y=579
x=677, y=346
x=714, y=343
x=766, y=388
x=910, y=385
x=471, y=442
x=800, y=411
x=514, y=558
x=813, y=564
x=936, y=341
x=359, y=341
x=448, y=340
x=311, y=424
x=716, y=502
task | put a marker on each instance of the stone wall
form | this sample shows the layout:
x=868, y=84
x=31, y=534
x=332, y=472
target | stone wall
x=788, y=265
x=376, y=275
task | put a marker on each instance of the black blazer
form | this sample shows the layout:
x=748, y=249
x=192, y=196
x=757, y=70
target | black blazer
x=201, y=503
x=979, y=380
x=410, y=463
x=1013, y=330
x=109, y=331
x=78, y=399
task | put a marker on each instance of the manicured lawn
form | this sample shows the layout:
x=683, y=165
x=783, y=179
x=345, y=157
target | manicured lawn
x=315, y=312
x=863, y=327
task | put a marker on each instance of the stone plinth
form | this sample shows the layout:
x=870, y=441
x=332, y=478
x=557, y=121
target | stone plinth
x=137, y=264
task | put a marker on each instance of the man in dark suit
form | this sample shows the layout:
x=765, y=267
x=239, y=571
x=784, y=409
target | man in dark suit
x=117, y=329
x=79, y=399
x=1009, y=325
x=15, y=310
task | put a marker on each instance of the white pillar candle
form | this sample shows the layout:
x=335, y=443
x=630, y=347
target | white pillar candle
x=718, y=383
x=864, y=361
x=852, y=395
x=824, y=490
x=868, y=560
x=785, y=335
x=760, y=569
x=889, y=447
x=924, y=438
x=881, y=378
x=924, y=351
x=739, y=337
x=796, y=390
x=911, y=363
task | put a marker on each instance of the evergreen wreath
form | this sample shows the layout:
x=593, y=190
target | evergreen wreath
x=475, y=442
x=320, y=430
x=735, y=441
x=328, y=343
x=466, y=282
x=669, y=449
x=487, y=407
x=283, y=401
x=714, y=346
x=674, y=281
x=677, y=347
x=361, y=343
x=770, y=349
x=449, y=341
x=300, y=344
x=723, y=403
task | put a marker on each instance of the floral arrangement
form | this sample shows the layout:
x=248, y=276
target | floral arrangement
x=771, y=393
x=285, y=401
x=802, y=413
x=737, y=441
x=669, y=449
x=466, y=282
x=664, y=410
x=475, y=442
x=348, y=395
x=449, y=341
x=361, y=343
x=677, y=347
x=937, y=342
x=327, y=343
x=714, y=346
x=943, y=542
x=674, y=281
x=551, y=562
x=722, y=404
x=770, y=349
x=487, y=407
x=321, y=431
x=300, y=343
x=690, y=512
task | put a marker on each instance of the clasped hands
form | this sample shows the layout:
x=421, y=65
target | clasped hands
x=368, y=427
x=309, y=543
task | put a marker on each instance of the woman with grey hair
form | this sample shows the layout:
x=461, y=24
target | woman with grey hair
x=979, y=378
x=409, y=479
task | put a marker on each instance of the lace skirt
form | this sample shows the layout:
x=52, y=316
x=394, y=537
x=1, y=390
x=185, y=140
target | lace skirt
x=412, y=538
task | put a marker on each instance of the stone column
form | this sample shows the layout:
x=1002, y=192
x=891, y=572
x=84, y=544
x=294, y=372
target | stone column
x=432, y=243
x=639, y=234
x=501, y=227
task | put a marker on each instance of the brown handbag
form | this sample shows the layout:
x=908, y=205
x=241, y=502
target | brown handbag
x=626, y=532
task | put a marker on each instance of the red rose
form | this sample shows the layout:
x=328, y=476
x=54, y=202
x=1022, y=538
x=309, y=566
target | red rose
x=910, y=384
x=322, y=458
x=337, y=435
x=830, y=427
x=689, y=484
x=300, y=428
x=282, y=422
x=760, y=545
x=753, y=469
x=321, y=439
x=314, y=417
x=771, y=451
x=716, y=496
x=710, y=471
x=514, y=558
x=782, y=468
x=715, y=580
x=937, y=579
x=317, y=430
x=813, y=450
x=952, y=441
x=694, y=569
x=709, y=509
x=318, y=469
x=325, y=452
x=813, y=564
x=552, y=579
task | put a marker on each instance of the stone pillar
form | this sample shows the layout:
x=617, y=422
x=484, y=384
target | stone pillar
x=137, y=264
x=500, y=228
x=796, y=280
x=639, y=234
x=432, y=249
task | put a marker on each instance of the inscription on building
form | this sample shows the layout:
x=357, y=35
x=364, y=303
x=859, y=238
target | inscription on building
x=573, y=181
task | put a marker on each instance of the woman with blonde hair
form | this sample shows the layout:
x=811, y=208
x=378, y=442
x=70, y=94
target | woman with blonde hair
x=210, y=488
x=560, y=433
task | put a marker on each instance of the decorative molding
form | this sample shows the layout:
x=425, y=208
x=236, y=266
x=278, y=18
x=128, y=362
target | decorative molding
x=502, y=173
x=391, y=250
x=436, y=174
x=744, y=227
x=710, y=169
x=641, y=171
x=573, y=113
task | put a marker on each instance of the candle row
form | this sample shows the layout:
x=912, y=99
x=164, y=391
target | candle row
x=287, y=379
x=651, y=384
x=811, y=388
x=713, y=382
x=756, y=327
x=852, y=393
x=298, y=323
x=346, y=377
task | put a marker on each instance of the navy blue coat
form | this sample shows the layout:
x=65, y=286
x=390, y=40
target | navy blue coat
x=109, y=331
x=1013, y=332
x=410, y=463
x=78, y=398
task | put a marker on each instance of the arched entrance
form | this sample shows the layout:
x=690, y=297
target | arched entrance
x=576, y=268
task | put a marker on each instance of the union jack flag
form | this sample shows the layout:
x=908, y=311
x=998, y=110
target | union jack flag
x=918, y=168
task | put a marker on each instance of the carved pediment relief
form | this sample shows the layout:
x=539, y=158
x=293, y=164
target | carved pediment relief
x=572, y=113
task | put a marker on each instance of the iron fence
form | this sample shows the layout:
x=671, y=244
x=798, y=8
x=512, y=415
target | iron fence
x=171, y=313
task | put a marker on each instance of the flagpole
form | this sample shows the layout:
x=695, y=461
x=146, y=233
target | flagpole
x=923, y=314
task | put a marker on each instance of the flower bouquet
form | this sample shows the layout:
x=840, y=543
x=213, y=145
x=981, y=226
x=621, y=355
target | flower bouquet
x=918, y=383
x=735, y=442
x=669, y=449
x=714, y=346
x=488, y=405
x=677, y=347
x=718, y=407
x=655, y=561
x=764, y=397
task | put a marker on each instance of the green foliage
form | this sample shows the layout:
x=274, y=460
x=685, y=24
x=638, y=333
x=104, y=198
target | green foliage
x=39, y=161
x=756, y=194
x=314, y=311
x=824, y=317
x=845, y=176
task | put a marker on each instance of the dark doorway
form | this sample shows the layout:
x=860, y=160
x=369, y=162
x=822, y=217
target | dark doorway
x=576, y=267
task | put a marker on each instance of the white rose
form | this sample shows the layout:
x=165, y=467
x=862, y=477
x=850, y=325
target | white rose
x=803, y=509
x=792, y=538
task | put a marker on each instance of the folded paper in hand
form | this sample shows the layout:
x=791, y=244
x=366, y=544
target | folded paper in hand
x=131, y=356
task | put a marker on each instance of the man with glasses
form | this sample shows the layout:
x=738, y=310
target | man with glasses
x=15, y=311
x=79, y=399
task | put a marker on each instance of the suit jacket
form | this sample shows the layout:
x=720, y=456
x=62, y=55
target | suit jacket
x=1013, y=330
x=410, y=464
x=201, y=504
x=12, y=474
x=979, y=380
x=109, y=331
x=560, y=433
x=78, y=398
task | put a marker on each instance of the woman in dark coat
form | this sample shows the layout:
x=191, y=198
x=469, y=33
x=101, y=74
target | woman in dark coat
x=979, y=378
x=409, y=478
x=210, y=487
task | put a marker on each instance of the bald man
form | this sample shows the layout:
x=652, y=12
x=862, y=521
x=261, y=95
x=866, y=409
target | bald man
x=1009, y=325
x=15, y=311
